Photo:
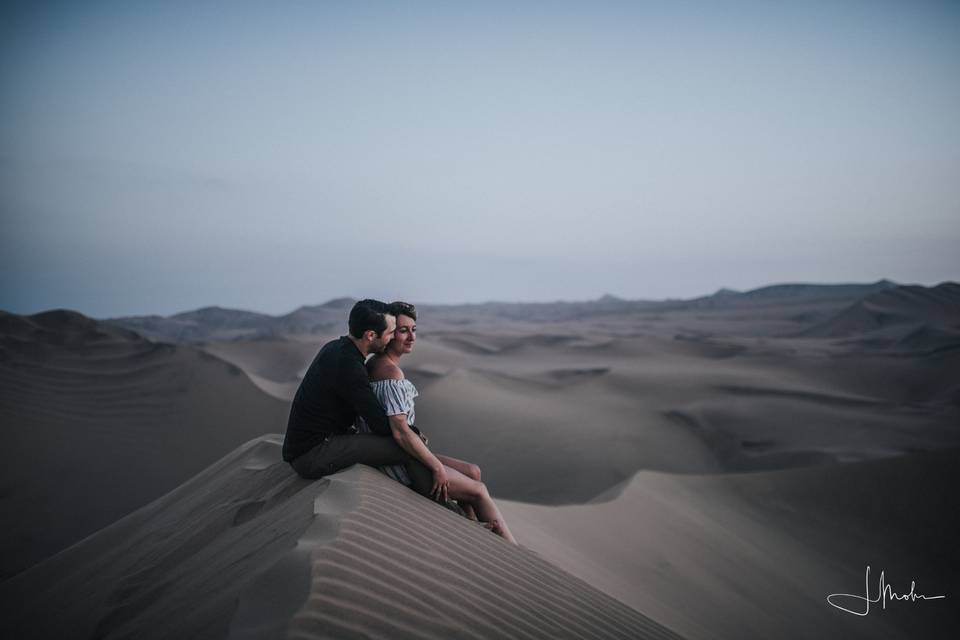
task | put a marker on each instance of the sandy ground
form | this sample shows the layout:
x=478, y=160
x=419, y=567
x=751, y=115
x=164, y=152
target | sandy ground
x=249, y=550
x=558, y=412
x=756, y=555
x=718, y=467
x=97, y=422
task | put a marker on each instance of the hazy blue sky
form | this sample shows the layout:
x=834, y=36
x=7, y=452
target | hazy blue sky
x=158, y=157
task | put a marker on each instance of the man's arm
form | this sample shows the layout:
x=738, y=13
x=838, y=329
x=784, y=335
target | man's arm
x=412, y=444
x=355, y=389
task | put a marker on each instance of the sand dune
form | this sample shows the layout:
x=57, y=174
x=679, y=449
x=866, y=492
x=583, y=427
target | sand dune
x=247, y=549
x=783, y=302
x=939, y=305
x=558, y=413
x=755, y=555
x=596, y=406
x=219, y=324
x=661, y=406
x=199, y=325
x=780, y=293
x=99, y=421
x=275, y=365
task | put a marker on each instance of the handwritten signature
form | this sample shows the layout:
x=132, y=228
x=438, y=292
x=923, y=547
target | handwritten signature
x=885, y=592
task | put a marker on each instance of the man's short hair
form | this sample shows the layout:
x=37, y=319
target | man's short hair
x=399, y=308
x=368, y=315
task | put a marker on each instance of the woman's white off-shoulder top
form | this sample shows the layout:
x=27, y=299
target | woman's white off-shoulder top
x=397, y=397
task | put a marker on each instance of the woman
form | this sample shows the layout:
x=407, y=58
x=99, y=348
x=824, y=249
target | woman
x=453, y=478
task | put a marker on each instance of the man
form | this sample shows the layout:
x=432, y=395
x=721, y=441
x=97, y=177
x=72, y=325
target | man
x=320, y=437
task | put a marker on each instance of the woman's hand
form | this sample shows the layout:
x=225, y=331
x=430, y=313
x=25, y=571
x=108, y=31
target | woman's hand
x=440, y=484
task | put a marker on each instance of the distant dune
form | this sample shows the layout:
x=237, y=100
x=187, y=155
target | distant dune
x=247, y=549
x=602, y=390
x=218, y=324
x=99, y=421
x=909, y=307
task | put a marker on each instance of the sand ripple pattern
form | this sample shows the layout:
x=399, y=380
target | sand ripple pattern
x=402, y=567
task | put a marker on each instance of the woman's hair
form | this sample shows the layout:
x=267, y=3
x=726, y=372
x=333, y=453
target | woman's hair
x=403, y=309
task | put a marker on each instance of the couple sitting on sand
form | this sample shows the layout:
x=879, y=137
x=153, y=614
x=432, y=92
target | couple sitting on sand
x=347, y=413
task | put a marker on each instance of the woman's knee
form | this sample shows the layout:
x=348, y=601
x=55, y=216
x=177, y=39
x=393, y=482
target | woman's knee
x=464, y=488
x=478, y=491
x=473, y=472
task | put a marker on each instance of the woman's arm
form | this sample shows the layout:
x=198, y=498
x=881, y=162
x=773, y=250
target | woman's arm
x=412, y=444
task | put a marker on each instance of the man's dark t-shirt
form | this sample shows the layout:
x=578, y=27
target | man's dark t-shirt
x=333, y=392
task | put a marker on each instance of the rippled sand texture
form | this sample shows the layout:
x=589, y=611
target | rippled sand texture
x=401, y=567
x=247, y=549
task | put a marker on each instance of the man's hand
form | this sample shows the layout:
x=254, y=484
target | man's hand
x=440, y=484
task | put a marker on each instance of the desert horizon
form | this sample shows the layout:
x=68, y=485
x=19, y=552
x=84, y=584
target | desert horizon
x=605, y=297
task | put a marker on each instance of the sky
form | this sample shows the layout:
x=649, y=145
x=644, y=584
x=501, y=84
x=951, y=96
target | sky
x=160, y=157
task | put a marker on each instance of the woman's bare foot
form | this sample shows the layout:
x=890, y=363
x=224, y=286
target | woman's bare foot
x=494, y=526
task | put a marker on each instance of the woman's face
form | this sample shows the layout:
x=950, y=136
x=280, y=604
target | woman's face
x=404, y=336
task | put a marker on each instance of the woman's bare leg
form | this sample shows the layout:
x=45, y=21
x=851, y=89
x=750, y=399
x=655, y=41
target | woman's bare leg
x=468, y=469
x=462, y=487
x=469, y=511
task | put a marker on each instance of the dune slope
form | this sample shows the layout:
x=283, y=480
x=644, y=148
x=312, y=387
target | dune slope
x=755, y=555
x=99, y=421
x=248, y=549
